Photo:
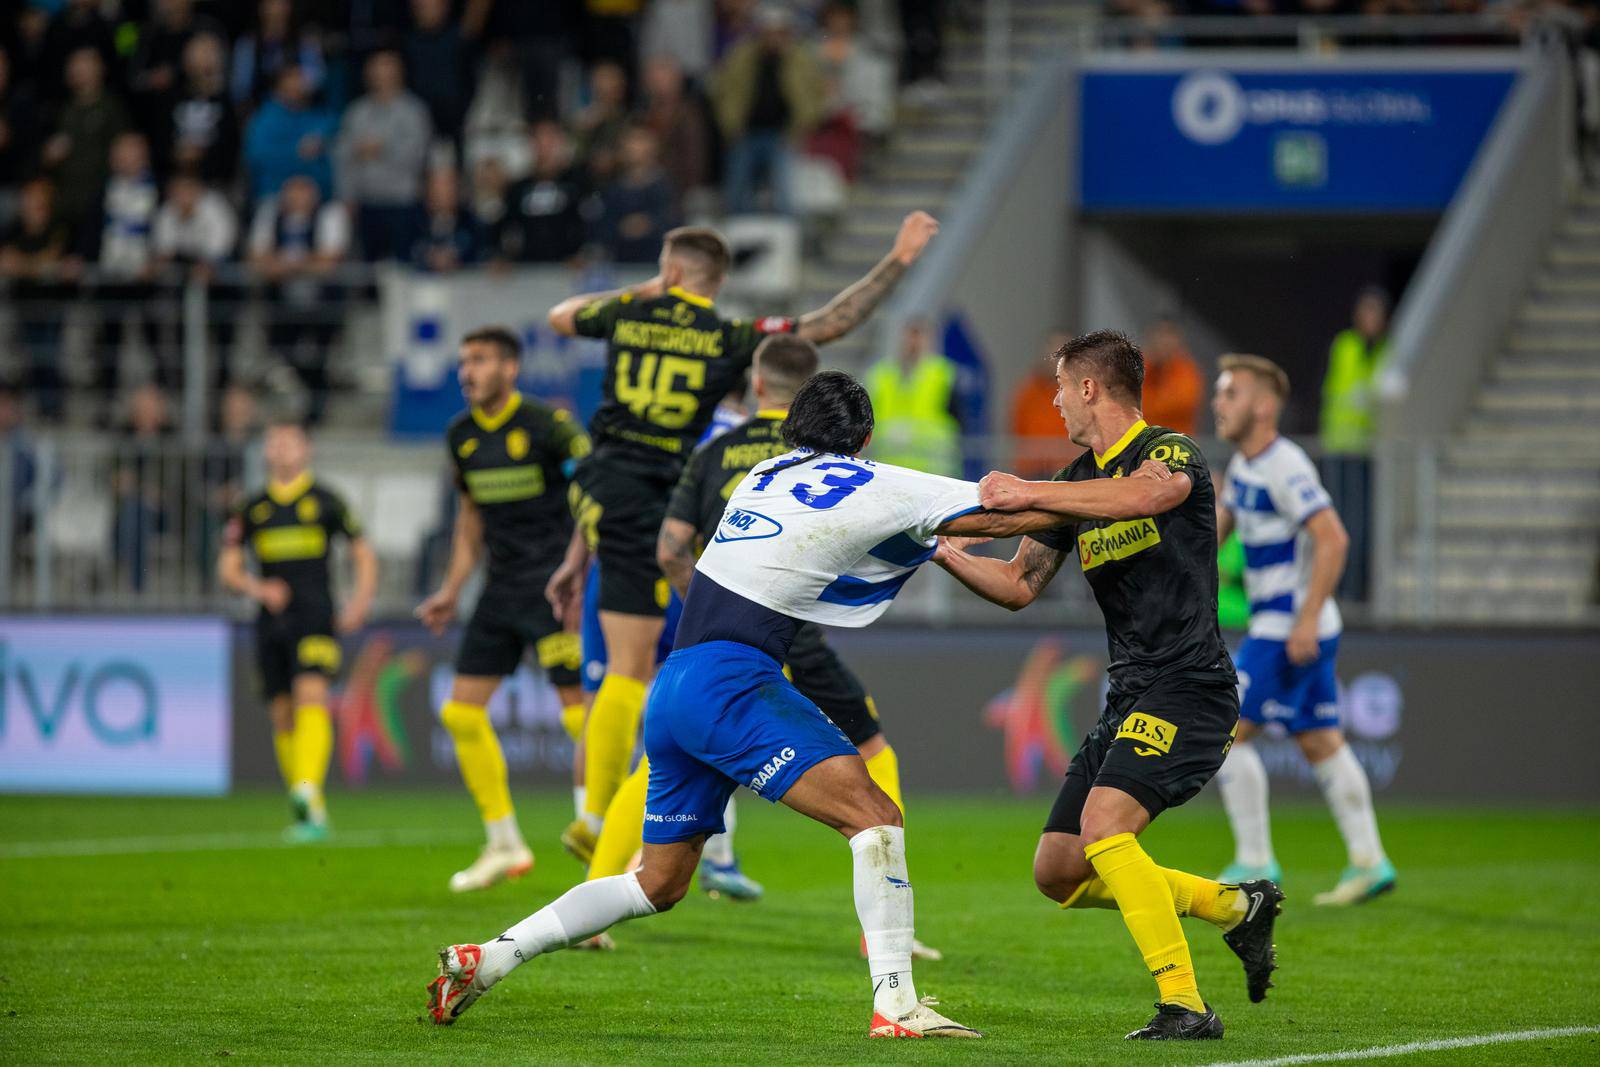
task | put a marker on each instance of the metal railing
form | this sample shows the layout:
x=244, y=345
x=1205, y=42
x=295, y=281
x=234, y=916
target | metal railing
x=125, y=524
x=1304, y=33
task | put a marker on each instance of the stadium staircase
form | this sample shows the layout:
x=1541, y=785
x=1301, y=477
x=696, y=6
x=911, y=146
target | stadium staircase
x=1517, y=526
x=928, y=152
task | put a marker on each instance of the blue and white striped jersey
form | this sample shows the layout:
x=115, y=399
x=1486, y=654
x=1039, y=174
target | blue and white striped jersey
x=723, y=419
x=1271, y=497
x=830, y=539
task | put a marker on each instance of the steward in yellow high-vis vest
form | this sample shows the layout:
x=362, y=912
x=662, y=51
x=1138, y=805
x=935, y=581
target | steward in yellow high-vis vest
x=912, y=399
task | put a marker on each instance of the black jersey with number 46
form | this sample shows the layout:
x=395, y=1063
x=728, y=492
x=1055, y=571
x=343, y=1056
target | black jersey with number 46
x=1154, y=578
x=515, y=466
x=669, y=359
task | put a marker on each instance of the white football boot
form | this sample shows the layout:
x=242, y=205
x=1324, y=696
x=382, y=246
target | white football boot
x=492, y=865
x=920, y=1021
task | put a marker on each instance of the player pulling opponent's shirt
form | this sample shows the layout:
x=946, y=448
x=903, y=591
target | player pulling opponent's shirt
x=815, y=535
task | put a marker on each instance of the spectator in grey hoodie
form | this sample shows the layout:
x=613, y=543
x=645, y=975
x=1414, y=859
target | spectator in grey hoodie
x=382, y=147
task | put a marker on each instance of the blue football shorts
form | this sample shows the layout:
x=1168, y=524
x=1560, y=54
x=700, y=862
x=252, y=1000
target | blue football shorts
x=594, y=639
x=1272, y=689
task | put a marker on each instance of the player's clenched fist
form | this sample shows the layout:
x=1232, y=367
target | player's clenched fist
x=915, y=233
x=1000, y=491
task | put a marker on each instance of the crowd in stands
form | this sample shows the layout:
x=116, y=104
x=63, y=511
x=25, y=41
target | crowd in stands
x=263, y=147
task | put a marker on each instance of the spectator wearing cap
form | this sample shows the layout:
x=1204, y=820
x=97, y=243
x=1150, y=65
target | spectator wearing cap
x=1174, y=388
x=768, y=95
x=288, y=137
x=381, y=152
x=637, y=207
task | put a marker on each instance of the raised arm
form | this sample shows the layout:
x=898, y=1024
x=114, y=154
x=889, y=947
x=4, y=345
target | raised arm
x=1152, y=490
x=855, y=305
x=1012, y=583
x=675, y=553
x=563, y=316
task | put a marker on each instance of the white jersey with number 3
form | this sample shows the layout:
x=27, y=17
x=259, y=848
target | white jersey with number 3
x=828, y=538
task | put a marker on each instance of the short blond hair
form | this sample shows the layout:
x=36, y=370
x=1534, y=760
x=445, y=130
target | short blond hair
x=1276, y=378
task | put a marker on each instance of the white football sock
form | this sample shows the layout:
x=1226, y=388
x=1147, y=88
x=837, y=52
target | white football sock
x=579, y=793
x=884, y=906
x=719, y=847
x=503, y=833
x=1243, y=783
x=592, y=821
x=1344, y=785
x=577, y=915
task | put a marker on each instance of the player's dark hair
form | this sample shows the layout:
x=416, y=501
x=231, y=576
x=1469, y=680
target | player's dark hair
x=500, y=337
x=1260, y=367
x=1111, y=359
x=785, y=361
x=283, y=418
x=831, y=413
x=706, y=249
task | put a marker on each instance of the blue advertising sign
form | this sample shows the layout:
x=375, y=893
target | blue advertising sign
x=135, y=705
x=1282, y=140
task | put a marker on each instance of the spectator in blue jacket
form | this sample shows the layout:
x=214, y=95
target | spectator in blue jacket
x=289, y=137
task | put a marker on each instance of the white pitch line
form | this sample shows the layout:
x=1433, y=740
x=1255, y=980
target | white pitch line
x=133, y=846
x=1442, y=1045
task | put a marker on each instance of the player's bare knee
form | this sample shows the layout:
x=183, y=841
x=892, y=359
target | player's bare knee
x=1053, y=882
x=663, y=891
x=1318, y=745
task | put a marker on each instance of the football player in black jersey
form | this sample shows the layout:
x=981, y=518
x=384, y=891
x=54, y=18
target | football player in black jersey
x=513, y=457
x=671, y=356
x=290, y=527
x=1138, y=510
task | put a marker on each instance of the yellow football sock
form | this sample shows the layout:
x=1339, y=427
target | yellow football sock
x=609, y=739
x=1203, y=898
x=572, y=720
x=313, y=747
x=1091, y=893
x=1145, y=900
x=884, y=768
x=1191, y=895
x=283, y=745
x=483, y=765
x=623, y=832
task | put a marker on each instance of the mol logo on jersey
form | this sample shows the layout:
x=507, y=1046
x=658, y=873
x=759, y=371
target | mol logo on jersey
x=770, y=768
x=740, y=524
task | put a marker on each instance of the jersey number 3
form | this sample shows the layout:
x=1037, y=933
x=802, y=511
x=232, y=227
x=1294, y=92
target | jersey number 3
x=839, y=485
x=652, y=394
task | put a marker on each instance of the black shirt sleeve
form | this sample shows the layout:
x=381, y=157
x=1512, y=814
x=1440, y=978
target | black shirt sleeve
x=684, y=504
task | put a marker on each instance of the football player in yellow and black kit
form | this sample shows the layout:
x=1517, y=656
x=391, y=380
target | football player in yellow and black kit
x=782, y=364
x=1138, y=510
x=671, y=357
x=513, y=457
x=290, y=527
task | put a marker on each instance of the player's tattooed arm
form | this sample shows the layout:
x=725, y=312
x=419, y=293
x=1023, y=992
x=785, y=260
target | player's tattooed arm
x=855, y=305
x=675, y=553
x=1149, y=491
x=1013, y=583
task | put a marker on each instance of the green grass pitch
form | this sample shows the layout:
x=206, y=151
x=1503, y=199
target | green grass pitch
x=236, y=948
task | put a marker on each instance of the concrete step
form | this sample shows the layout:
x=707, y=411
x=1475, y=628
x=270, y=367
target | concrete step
x=1578, y=313
x=1540, y=403
x=1528, y=491
x=1558, y=527
x=1584, y=344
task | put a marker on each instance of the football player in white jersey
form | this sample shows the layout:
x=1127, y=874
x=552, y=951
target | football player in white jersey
x=816, y=535
x=1294, y=550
